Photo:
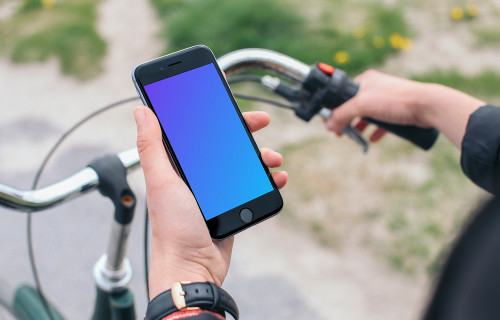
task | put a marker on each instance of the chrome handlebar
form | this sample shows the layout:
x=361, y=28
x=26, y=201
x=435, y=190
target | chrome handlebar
x=73, y=186
x=255, y=59
x=87, y=179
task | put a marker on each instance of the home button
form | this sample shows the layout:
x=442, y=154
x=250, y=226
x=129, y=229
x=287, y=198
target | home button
x=246, y=215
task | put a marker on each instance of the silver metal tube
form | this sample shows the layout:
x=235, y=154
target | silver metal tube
x=252, y=59
x=111, y=280
x=130, y=159
x=73, y=186
x=41, y=199
x=117, y=246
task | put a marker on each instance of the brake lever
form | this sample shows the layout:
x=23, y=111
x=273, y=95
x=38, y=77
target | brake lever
x=330, y=87
x=307, y=109
x=351, y=132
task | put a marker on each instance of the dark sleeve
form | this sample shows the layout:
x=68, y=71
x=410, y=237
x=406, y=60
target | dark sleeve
x=480, y=159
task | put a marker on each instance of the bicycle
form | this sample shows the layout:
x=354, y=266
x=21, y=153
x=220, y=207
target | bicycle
x=311, y=90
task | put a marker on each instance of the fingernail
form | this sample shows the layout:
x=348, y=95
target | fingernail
x=139, y=114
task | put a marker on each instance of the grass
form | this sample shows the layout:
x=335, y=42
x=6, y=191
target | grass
x=64, y=30
x=487, y=36
x=280, y=25
x=424, y=216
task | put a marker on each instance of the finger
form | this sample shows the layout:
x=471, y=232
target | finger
x=342, y=116
x=256, y=120
x=378, y=134
x=154, y=159
x=271, y=158
x=361, y=125
x=280, y=178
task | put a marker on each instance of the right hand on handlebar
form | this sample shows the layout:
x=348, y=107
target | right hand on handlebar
x=409, y=103
x=381, y=97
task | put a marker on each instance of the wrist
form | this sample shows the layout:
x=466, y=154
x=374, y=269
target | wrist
x=422, y=105
x=168, y=268
x=444, y=109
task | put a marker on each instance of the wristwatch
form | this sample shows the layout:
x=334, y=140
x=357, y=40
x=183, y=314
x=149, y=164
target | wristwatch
x=186, y=295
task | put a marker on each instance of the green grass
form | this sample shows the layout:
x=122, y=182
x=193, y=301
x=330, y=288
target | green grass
x=423, y=217
x=280, y=25
x=487, y=36
x=65, y=31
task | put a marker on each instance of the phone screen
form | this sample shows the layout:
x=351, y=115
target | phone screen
x=209, y=140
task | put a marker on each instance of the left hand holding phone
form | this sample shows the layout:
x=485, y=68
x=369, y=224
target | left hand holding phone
x=183, y=249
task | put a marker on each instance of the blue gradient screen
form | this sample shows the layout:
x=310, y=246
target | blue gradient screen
x=209, y=140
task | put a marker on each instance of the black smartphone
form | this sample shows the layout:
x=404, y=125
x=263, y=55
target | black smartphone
x=208, y=140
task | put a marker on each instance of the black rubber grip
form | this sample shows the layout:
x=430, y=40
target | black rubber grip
x=423, y=138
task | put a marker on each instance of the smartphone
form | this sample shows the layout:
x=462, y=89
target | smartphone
x=208, y=140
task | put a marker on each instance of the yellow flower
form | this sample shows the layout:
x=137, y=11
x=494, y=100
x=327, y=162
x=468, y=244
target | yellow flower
x=48, y=4
x=407, y=44
x=457, y=13
x=341, y=57
x=359, y=32
x=396, y=40
x=378, y=42
x=472, y=10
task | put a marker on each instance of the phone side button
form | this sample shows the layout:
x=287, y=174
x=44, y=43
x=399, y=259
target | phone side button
x=246, y=215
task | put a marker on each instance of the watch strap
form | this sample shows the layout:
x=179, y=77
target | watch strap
x=185, y=295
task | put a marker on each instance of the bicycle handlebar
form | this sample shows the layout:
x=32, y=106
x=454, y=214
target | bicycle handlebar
x=255, y=59
x=87, y=179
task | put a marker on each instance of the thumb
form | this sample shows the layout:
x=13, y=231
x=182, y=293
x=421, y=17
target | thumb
x=342, y=116
x=154, y=159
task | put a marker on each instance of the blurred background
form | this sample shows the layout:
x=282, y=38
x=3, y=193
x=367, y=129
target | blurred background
x=361, y=235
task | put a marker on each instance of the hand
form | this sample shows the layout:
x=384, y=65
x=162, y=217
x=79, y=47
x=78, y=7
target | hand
x=382, y=97
x=400, y=101
x=182, y=246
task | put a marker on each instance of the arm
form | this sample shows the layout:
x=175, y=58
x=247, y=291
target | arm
x=396, y=100
x=182, y=247
x=457, y=115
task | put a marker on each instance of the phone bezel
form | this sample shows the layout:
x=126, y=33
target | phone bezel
x=228, y=223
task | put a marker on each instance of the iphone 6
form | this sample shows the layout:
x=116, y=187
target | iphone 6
x=208, y=140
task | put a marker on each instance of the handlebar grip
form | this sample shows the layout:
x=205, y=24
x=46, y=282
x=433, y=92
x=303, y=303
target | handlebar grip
x=423, y=138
